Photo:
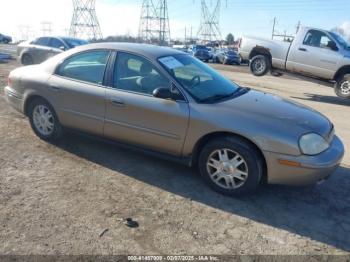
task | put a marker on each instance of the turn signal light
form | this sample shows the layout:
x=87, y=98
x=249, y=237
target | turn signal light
x=289, y=163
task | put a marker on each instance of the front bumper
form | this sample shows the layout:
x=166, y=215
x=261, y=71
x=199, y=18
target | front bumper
x=13, y=99
x=312, y=169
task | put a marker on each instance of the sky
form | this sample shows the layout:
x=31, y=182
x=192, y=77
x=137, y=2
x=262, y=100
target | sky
x=239, y=17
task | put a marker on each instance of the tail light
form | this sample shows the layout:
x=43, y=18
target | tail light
x=9, y=81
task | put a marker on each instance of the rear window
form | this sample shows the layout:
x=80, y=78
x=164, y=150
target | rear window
x=73, y=42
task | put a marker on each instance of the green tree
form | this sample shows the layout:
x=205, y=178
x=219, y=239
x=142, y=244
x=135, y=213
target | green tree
x=230, y=39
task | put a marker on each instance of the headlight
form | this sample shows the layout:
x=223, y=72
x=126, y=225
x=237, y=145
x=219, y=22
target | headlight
x=312, y=144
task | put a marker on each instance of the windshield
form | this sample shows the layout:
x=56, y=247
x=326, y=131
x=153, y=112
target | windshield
x=340, y=40
x=202, y=82
x=72, y=42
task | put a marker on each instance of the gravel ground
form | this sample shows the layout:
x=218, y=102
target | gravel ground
x=58, y=199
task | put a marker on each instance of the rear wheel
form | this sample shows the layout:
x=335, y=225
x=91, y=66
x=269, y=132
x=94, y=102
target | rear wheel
x=43, y=120
x=260, y=65
x=231, y=166
x=27, y=59
x=342, y=86
x=6, y=41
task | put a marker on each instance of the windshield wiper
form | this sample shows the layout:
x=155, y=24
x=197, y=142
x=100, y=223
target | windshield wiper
x=220, y=97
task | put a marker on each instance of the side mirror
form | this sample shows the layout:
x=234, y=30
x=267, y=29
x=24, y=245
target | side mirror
x=332, y=45
x=62, y=48
x=163, y=93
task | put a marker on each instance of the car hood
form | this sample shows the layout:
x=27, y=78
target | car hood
x=281, y=115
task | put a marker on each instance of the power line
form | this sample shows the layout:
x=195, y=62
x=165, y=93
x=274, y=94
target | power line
x=84, y=22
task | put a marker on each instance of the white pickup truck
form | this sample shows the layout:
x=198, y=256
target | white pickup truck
x=313, y=52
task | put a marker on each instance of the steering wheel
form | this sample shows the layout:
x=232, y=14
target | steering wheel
x=196, y=80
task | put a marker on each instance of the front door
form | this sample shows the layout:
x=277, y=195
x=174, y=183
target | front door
x=132, y=113
x=314, y=56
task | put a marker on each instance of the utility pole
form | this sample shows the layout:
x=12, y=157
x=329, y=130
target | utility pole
x=46, y=28
x=273, y=27
x=84, y=22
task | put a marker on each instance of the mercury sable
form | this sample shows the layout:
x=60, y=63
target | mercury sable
x=174, y=106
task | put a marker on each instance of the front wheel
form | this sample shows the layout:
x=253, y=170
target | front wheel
x=44, y=121
x=342, y=86
x=260, y=65
x=231, y=166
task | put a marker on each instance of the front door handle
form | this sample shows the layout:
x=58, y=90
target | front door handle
x=117, y=102
x=302, y=49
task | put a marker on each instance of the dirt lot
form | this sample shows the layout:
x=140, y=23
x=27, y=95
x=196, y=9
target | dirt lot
x=57, y=199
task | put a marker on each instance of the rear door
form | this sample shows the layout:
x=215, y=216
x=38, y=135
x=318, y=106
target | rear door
x=314, y=56
x=56, y=46
x=134, y=115
x=40, y=50
x=77, y=91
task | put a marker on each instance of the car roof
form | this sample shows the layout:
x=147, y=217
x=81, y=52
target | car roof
x=150, y=51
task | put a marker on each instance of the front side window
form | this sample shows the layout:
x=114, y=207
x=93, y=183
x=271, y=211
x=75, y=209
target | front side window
x=43, y=41
x=317, y=39
x=201, y=81
x=88, y=66
x=137, y=74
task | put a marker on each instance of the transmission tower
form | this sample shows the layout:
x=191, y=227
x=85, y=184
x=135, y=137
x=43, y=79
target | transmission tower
x=84, y=22
x=209, y=28
x=154, y=22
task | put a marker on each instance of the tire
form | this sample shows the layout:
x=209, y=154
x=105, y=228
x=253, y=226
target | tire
x=6, y=41
x=236, y=148
x=53, y=133
x=342, y=86
x=27, y=59
x=260, y=65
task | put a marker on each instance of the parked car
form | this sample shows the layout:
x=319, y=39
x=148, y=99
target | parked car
x=201, y=52
x=182, y=48
x=40, y=49
x=226, y=57
x=313, y=52
x=5, y=39
x=173, y=105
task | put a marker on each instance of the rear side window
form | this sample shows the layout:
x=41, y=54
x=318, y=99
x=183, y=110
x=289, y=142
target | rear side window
x=88, y=67
x=43, y=41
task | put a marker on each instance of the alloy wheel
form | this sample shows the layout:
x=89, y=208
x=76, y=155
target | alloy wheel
x=227, y=168
x=345, y=88
x=43, y=120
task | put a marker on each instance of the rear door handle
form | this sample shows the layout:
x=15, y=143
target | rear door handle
x=117, y=102
x=303, y=49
